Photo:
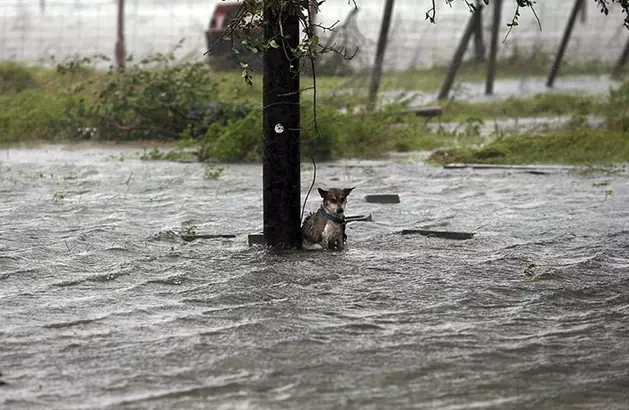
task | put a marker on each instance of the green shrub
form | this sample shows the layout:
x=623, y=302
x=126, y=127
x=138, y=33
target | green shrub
x=15, y=77
x=155, y=99
x=240, y=140
x=33, y=115
x=334, y=135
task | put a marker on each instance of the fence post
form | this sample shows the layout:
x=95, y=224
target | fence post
x=554, y=69
x=584, y=13
x=479, y=43
x=281, y=124
x=119, y=51
x=493, y=48
x=376, y=74
x=622, y=60
x=458, y=55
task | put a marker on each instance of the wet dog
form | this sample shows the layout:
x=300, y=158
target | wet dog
x=325, y=229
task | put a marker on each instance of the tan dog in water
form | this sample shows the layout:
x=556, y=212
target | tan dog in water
x=325, y=229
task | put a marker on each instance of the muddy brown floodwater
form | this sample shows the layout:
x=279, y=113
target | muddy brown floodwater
x=103, y=306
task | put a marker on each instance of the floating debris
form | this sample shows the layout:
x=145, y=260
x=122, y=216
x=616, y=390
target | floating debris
x=439, y=234
x=529, y=168
x=359, y=218
x=190, y=238
x=383, y=199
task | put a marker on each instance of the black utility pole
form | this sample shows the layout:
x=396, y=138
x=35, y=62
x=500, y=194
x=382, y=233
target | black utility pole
x=281, y=158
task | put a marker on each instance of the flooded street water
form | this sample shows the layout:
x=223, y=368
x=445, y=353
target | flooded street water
x=103, y=306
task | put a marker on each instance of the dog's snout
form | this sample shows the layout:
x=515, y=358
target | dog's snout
x=339, y=209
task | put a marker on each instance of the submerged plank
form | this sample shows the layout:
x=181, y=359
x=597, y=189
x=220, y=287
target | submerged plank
x=439, y=234
x=359, y=218
x=511, y=167
x=426, y=112
x=190, y=238
x=383, y=199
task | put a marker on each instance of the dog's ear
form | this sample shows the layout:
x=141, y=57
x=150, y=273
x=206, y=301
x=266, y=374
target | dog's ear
x=323, y=192
x=347, y=191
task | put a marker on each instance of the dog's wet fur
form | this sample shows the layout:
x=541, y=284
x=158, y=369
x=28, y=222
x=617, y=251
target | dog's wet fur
x=325, y=228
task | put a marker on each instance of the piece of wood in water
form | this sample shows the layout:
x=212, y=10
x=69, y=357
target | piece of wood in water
x=530, y=168
x=426, y=112
x=256, y=239
x=350, y=166
x=359, y=218
x=439, y=234
x=190, y=238
x=383, y=199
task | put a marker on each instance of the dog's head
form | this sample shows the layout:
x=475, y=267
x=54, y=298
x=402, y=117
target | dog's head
x=335, y=199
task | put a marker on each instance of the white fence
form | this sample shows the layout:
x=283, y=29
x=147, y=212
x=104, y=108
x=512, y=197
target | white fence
x=36, y=30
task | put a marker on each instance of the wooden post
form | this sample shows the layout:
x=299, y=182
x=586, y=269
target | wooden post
x=584, y=17
x=281, y=122
x=554, y=69
x=376, y=74
x=479, y=43
x=458, y=55
x=313, y=10
x=622, y=60
x=493, y=48
x=119, y=52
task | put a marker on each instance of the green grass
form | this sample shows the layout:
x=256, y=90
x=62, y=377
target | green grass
x=541, y=105
x=430, y=79
x=423, y=79
x=32, y=115
x=39, y=104
x=566, y=146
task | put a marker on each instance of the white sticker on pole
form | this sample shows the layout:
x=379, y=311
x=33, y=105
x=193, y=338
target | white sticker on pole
x=279, y=128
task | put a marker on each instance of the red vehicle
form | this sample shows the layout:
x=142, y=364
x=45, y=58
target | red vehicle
x=220, y=52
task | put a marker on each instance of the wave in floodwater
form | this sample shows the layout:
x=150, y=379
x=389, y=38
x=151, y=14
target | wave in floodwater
x=103, y=306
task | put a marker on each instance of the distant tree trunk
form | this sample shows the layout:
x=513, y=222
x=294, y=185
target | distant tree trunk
x=119, y=51
x=281, y=125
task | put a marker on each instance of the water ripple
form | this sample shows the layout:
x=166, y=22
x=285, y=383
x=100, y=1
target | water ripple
x=103, y=305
